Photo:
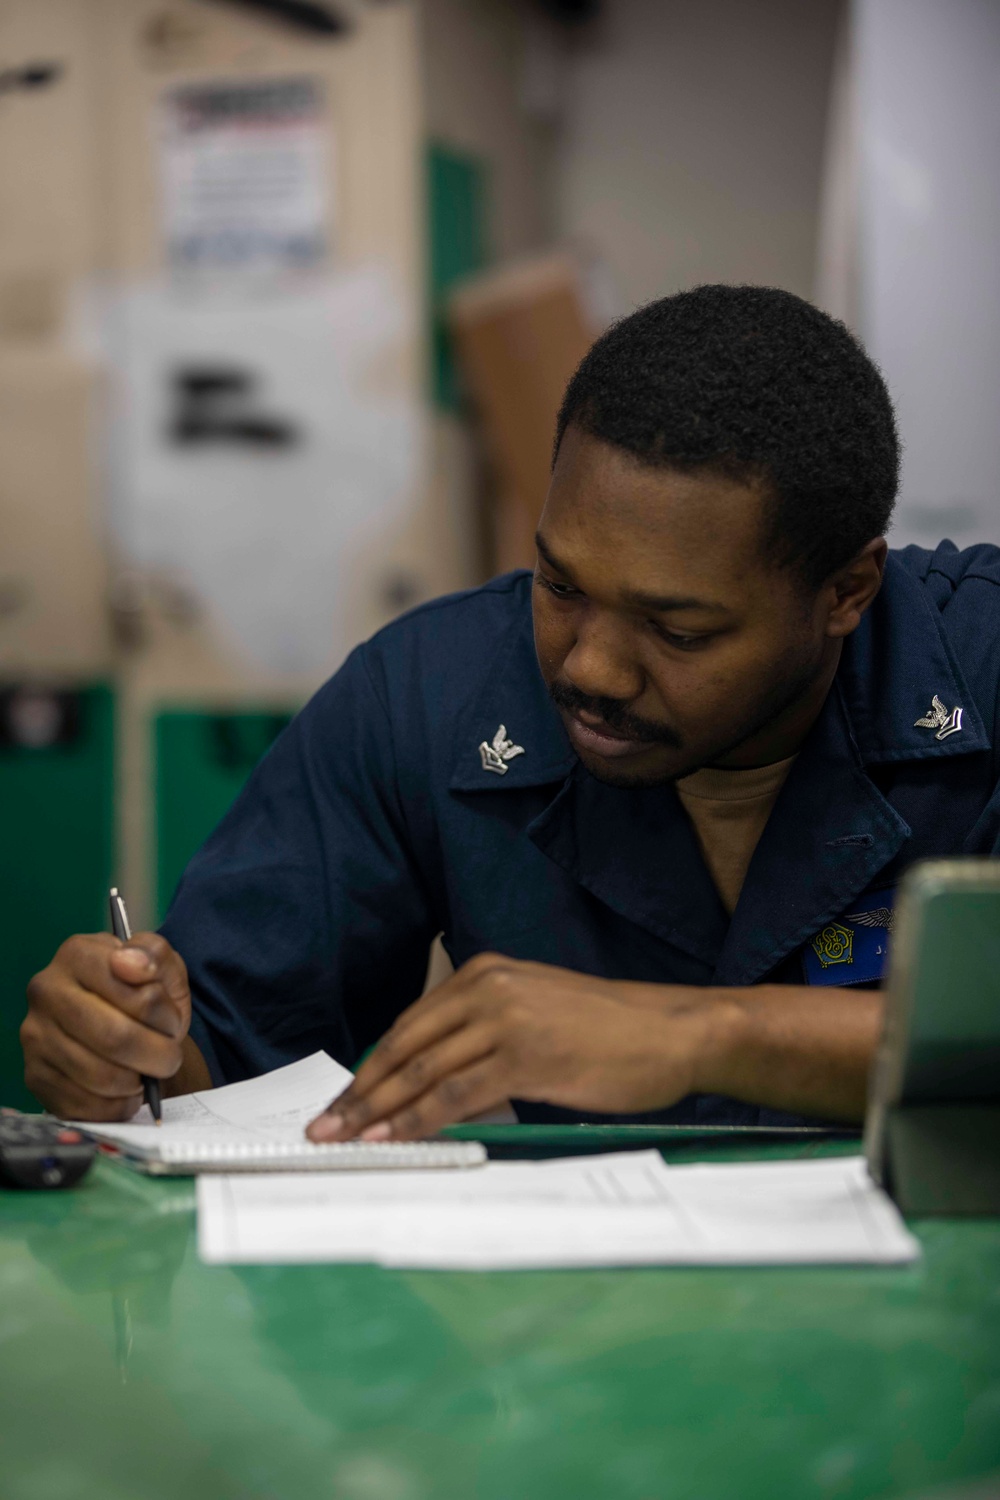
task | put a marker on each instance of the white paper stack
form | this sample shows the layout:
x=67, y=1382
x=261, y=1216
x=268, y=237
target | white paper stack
x=616, y=1210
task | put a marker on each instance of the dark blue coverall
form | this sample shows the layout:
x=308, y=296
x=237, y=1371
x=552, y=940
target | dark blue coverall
x=379, y=819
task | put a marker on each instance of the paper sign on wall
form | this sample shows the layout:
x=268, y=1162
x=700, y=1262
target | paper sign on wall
x=257, y=453
x=244, y=176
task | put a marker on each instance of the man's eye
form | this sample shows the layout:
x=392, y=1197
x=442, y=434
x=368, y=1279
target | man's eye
x=682, y=642
x=561, y=590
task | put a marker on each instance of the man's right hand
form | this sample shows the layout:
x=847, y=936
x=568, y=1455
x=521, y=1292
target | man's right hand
x=99, y=1017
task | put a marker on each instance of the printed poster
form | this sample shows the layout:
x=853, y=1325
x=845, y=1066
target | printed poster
x=245, y=173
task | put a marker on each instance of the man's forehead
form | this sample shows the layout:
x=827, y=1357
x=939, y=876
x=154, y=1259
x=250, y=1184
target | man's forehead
x=581, y=452
x=654, y=548
x=596, y=485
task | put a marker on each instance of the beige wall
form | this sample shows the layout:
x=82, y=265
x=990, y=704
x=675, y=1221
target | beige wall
x=50, y=173
x=693, y=141
x=473, y=58
x=53, y=571
x=475, y=54
x=78, y=199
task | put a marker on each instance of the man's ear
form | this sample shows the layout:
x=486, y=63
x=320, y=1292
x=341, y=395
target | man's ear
x=850, y=590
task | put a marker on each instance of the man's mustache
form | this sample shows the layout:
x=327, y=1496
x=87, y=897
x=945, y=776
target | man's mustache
x=614, y=714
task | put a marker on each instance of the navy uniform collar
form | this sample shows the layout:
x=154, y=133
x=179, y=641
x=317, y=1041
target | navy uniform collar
x=831, y=833
x=893, y=667
x=513, y=696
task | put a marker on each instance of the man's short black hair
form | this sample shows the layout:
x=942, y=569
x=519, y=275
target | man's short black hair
x=755, y=384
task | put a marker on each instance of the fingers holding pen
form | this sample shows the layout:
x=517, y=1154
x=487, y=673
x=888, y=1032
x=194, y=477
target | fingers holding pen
x=148, y=953
x=130, y=977
x=102, y=1014
x=68, y=1097
x=110, y=1032
x=147, y=962
x=131, y=1027
x=99, y=1076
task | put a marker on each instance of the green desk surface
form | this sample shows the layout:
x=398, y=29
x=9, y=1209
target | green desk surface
x=129, y=1371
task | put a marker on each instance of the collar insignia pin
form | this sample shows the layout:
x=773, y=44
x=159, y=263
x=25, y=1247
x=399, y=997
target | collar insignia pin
x=497, y=757
x=939, y=719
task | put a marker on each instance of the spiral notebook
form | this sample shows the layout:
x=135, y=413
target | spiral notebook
x=258, y=1126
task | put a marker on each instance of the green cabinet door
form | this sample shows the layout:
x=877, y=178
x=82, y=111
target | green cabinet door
x=202, y=760
x=56, y=843
x=457, y=188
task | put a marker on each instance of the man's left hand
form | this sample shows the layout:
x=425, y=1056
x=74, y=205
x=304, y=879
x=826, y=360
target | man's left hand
x=499, y=1029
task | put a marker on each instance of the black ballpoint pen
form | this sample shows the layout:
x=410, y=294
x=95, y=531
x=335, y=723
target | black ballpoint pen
x=122, y=928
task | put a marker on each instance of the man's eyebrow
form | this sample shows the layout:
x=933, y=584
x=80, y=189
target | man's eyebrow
x=547, y=555
x=656, y=603
x=664, y=603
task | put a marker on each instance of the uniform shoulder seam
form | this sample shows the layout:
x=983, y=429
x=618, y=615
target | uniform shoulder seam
x=973, y=573
x=955, y=584
x=506, y=583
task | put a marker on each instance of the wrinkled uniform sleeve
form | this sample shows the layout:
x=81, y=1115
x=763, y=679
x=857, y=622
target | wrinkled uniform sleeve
x=303, y=920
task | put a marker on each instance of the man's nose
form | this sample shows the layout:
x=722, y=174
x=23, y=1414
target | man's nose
x=602, y=663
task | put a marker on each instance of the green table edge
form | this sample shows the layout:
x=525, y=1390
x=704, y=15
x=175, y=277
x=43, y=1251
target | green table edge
x=572, y=1139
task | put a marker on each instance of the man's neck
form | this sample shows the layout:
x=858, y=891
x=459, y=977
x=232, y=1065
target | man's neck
x=782, y=737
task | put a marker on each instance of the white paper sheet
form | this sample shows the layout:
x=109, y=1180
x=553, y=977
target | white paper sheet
x=622, y=1209
x=274, y=1107
x=282, y=548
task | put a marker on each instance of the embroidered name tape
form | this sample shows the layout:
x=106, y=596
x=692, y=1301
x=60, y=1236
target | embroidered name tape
x=855, y=948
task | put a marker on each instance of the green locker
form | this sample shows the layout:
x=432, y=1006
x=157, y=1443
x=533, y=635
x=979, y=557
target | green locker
x=202, y=760
x=56, y=817
x=456, y=220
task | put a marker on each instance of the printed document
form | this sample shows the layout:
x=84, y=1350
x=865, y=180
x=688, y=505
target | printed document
x=628, y=1208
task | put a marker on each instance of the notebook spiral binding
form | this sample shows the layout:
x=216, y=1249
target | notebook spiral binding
x=183, y=1158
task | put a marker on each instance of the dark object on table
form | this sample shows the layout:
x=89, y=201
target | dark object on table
x=932, y=1135
x=36, y=1152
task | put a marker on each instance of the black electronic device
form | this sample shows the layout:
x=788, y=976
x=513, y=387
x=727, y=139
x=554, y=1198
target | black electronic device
x=36, y=1152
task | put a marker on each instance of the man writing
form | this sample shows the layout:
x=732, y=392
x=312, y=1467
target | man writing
x=657, y=796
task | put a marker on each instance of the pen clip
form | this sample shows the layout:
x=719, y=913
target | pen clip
x=119, y=916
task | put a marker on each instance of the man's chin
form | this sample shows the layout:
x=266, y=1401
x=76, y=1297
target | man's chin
x=651, y=768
